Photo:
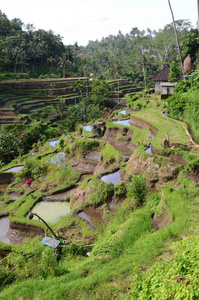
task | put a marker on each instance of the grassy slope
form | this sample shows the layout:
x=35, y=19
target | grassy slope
x=129, y=242
x=164, y=125
x=126, y=245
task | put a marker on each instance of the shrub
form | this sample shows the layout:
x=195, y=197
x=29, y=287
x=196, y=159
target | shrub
x=120, y=189
x=61, y=143
x=137, y=189
x=29, y=260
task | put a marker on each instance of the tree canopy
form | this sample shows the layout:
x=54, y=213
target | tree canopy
x=139, y=54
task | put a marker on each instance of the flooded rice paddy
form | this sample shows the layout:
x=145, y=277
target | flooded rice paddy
x=92, y=216
x=9, y=235
x=15, y=169
x=148, y=150
x=112, y=178
x=51, y=211
x=88, y=128
x=4, y=227
x=122, y=122
x=54, y=143
x=60, y=196
x=56, y=159
x=123, y=112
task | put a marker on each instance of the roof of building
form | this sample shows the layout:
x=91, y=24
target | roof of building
x=168, y=84
x=162, y=75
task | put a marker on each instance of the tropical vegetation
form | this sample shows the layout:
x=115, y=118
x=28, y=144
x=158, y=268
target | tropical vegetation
x=144, y=243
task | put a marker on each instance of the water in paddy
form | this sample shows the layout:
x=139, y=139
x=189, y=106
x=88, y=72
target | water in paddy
x=14, y=196
x=123, y=122
x=54, y=143
x=123, y=112
x=112, y=178
x=4, y=227
x=9, y=235
x=15, y=169
x=56, y=159
x=148, y=150
x=92, y=216
x=88, y=128
x=61, y=196
x=51, y=211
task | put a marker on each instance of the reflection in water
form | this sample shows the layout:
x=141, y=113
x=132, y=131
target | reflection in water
x=112, y=178
x=51, y=211
x=4, y=227
x=14, y=196
x=88, y=128
x=9, y=235
x=126, y=157
x=54, y=143
x=148, y=150
x=123, y=112
x=33, y=153
x=93, y=216
x=84, y=216
x=56, y=159
x=60, y=196
x=15, y=169
x=123, y=122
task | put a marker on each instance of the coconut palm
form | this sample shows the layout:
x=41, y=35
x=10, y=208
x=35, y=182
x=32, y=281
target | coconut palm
x=63, y=62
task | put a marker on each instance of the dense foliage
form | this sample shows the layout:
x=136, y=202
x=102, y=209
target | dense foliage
x=17, y=140
x=173, y=278
x=128, y=241
x=183, y=104
x=30, y=260
x=137, y=55
x=137, y=189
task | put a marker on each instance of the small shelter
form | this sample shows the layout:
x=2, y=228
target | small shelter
x=162, y=86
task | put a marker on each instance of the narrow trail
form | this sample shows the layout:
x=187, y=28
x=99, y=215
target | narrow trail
x=193, y=145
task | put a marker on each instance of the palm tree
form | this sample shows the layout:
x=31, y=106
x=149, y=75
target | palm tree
x=78, y=87
x=61, y=108
x=143, y=62
x=51, y=61
x=63, y=62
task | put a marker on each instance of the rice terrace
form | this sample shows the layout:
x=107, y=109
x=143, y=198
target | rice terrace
x=99, y=165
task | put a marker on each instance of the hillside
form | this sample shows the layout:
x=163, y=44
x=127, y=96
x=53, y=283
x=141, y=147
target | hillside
x=28, y=101
x=121, y=196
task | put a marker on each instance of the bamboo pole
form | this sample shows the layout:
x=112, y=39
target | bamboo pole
x=177, y=37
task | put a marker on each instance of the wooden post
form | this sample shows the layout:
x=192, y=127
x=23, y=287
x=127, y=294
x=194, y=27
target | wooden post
x=176, y=37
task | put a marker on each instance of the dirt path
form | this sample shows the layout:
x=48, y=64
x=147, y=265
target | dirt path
x=193, y=145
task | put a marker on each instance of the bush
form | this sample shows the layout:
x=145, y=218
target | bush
x=137, y=189
x=120, y=189
x=173, y=278
x=29, y=260
x=61, y=143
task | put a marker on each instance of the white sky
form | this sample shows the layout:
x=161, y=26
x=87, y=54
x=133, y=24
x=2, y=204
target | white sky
x=83, y=20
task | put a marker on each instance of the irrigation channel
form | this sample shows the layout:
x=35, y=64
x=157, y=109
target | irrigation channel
x=54, y=207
